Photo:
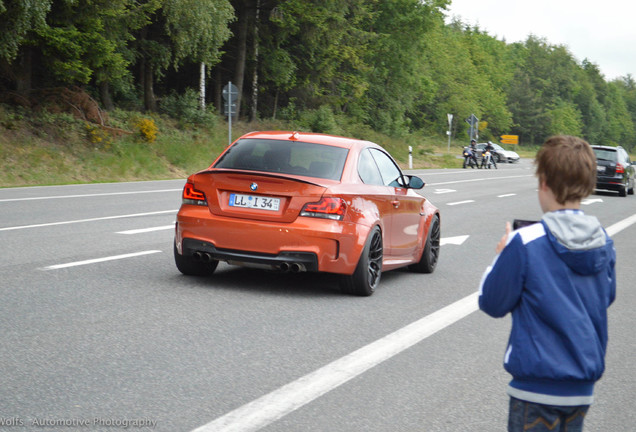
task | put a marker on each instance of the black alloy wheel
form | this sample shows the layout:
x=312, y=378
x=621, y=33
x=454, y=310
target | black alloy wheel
x=430, y=255
x=366, y=277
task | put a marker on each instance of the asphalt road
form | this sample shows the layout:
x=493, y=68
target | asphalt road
x=99, y=331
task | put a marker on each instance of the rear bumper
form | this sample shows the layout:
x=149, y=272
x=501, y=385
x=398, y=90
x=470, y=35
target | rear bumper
x=314, y=244
x=610, y=183
x=302, y=261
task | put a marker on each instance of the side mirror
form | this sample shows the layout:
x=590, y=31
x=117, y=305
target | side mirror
x=415, y=182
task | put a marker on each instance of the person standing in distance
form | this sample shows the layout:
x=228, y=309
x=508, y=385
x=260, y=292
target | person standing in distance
x=557, y=278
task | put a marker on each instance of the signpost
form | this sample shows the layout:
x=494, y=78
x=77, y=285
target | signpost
x=472, y=121
x=450, y=124
x=510, y=139
x=230, y=95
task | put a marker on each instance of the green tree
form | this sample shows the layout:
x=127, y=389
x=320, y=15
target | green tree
x=564, y=118
x=180, y=31
x=620, y=127
x=398, y=79
x=325, y=42
x=626, y=86
x=17, y=18
x=464, y=64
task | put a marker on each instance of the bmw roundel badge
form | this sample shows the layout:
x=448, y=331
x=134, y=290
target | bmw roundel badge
x=253, y=187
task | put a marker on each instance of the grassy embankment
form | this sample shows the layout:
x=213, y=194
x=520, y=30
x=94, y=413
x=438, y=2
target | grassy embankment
x=50, y=149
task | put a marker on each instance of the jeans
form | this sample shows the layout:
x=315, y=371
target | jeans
x=528, y=416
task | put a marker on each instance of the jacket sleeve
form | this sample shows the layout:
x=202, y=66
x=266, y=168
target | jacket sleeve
x=502, y=283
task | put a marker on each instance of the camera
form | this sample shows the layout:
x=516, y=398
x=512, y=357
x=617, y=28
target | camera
x=519, y=223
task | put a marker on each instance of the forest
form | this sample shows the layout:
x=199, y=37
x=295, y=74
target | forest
x=396, y=66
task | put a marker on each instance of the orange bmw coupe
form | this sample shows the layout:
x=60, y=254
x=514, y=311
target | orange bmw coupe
x=305, y=202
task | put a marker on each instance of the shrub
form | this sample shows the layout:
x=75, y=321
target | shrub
x=321, y=120
x=98, y=136
x=147, y=129
x=185, y=108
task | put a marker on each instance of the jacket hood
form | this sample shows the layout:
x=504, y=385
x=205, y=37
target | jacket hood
x=579, y=240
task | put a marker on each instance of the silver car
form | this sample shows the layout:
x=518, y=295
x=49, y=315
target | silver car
x=499, y=153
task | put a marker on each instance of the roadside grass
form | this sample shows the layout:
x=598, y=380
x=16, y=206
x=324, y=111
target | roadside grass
x=52, y=149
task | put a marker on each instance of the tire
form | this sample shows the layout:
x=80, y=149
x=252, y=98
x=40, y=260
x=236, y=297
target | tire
x=623, y=191
x=497, y=158
x=430, y=255
x=188, y=266
x=366, y=277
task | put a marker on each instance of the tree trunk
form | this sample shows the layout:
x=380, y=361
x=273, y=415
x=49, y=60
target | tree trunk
x=218, y=89
x=202, y=87
x=275, y=105
x=23, y=82
x=150, y=101
x=104, y=93
x=254, y=113
x=240, y=58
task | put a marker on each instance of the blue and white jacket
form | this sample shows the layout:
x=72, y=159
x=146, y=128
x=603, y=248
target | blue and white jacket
x=557, y=279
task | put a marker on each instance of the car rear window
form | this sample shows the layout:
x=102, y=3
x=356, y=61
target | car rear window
x=285, y=157
x=605, y=154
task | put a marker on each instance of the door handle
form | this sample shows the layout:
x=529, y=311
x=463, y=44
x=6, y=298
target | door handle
x=395, y=203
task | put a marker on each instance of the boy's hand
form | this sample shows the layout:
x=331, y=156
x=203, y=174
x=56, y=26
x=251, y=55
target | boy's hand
x=504, y=239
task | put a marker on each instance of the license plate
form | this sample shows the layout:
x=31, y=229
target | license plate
x=600, y=168
x=254, y=201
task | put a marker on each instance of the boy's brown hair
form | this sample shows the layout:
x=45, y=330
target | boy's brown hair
x=567, y=165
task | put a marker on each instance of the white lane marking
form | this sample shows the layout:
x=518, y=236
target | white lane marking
x=275, y=405
x=88, y=195
x=506, y=195
x=145, y=230
x=460, y=202
x=479, y=179
x=457, y=240
x=443, y=191
x=98, y=260
x=591, y=201
x=620, y=226
x=87, y=220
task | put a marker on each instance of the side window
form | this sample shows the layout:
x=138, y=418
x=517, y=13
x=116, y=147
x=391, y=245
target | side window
x=391, y=174
x=368, y=170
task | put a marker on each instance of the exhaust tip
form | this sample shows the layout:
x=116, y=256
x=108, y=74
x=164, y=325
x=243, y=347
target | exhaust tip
x=206, y=257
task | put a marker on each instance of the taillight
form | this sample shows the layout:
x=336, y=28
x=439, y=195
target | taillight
x=327, y=208
x=192, y=195
x=620, y=169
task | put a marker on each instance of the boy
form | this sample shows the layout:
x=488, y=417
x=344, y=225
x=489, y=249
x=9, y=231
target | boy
x=557, y=279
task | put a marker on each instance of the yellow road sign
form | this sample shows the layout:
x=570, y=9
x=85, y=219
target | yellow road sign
x=510, y=139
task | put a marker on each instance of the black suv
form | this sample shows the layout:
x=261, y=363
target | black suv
x=614, y=170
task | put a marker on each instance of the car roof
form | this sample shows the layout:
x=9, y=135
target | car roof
x=602, y=147
x=310, y=137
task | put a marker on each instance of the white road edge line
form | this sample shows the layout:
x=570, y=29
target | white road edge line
x=280, y=402
x=620, y=226
x=460, y=202
x=277, y=404
x=87, y=220
x=87, y=195
x=145, y=230
x=98, y=260
x=506, y=195
x=478, y=180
